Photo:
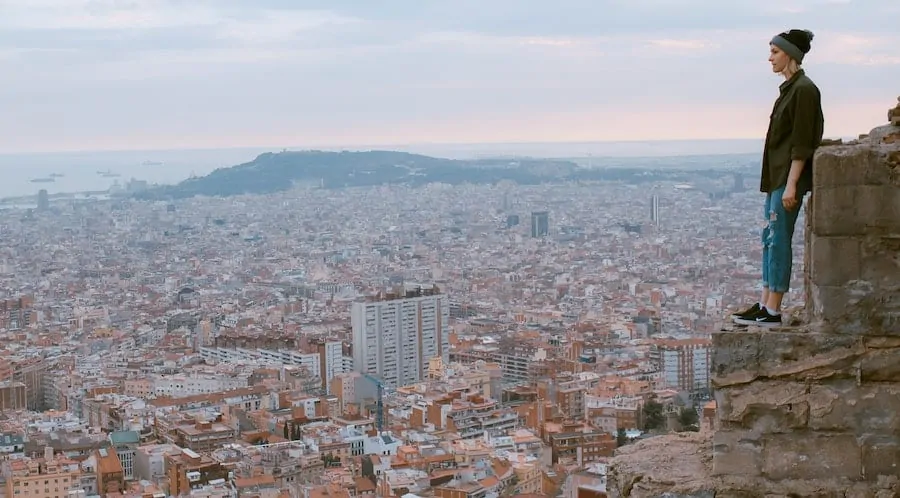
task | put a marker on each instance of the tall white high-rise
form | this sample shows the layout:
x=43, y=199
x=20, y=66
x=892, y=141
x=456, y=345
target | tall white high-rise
x=654, y=210
x=396, y=334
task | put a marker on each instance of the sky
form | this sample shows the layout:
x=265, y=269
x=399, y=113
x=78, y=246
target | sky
x=168, y=74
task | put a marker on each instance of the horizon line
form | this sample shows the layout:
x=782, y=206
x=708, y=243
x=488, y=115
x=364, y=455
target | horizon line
x=375, y=147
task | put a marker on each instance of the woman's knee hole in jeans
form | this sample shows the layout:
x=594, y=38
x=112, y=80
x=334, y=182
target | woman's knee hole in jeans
x=770, y=229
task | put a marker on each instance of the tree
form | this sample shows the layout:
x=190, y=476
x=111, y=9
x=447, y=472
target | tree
x=621, y=438
x=653, y=415
x=689, y=419
x=287, y=434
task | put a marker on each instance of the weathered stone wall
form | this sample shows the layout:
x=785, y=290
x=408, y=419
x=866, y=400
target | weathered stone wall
x=854, y=224
x=822, y=400
x=814, y=409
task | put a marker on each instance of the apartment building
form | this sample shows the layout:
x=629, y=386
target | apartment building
x=331, y=362
x=471, y=417
x=110, y=474
x=16, y=314
x=684, y=363
x=12, y=396
x=203, y=435
x=125, y=444
x=188, y=470
x=189, y=385
x=289, y=464
x=52, y=476
x=577, y=443
x=520, y=364
x=150, y=461
x=397, y=333
x=324, y=362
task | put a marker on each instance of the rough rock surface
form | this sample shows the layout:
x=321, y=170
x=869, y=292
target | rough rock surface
x=680, y=466
x=811, y=408
x=894, y=114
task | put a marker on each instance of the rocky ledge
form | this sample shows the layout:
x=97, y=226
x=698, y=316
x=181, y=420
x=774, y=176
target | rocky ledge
x=680, y=466
x=894, y=114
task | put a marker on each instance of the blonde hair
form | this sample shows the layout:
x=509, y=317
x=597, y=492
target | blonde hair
x=790, y=69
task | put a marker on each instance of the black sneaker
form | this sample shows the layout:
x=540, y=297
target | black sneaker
x=747, y=313
x=761, y=319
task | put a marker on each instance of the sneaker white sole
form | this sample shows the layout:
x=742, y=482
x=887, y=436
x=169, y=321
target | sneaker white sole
x=743, y=321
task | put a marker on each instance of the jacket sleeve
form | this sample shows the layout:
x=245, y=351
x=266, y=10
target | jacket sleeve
x=804, y=138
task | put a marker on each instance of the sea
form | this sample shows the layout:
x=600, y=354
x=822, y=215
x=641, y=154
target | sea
x=98, y=171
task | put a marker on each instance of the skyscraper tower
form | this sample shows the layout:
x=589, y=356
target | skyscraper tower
x=43, y=200
x=738, y=183
x=395, y=335
x=540, y=224
x=654, y=209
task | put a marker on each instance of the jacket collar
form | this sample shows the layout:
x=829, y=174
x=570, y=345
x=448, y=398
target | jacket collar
x=787, y=83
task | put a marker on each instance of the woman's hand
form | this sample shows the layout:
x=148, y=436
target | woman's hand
x=789, y=198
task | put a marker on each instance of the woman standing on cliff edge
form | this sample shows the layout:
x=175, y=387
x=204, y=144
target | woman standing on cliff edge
x=795, y=131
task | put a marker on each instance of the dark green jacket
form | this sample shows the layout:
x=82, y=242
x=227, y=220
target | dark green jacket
x=795, y=131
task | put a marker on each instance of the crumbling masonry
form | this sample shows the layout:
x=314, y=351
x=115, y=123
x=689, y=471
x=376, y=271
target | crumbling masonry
x=811, y=409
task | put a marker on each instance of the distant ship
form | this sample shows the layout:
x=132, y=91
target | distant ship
x=152, y=163
x=42, y=180
x=108, y=174
x=56, y=175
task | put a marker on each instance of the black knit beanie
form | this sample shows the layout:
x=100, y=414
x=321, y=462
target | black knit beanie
x=795, y=43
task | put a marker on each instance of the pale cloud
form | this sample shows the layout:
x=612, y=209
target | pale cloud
x=159, y=73
x=683, y=45
x=483, y=40
x=273, y=27
x=858, y=49
x=104, y=14
x=131, y=17
x=551, y=42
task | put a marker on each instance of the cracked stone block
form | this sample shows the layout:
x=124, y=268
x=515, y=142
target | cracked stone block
x=698, y=494
x=807, y=455
x=878, y=261
x=764, y=407
x=856, y=210
x=824, y=251
x=843, y=165
x=878, y=135
x=880, y=456
x=735, y=357
x=858, y=308
x=736, y=453
x=845, y=406
x=880, y=365
x=808, y=355
x=739, y=357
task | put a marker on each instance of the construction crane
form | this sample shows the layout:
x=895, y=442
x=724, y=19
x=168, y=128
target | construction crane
x=379, y=404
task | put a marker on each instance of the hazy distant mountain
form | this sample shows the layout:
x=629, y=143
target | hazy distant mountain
x=273, y=172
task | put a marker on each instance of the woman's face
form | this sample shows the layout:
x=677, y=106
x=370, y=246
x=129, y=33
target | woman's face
x=778, y=58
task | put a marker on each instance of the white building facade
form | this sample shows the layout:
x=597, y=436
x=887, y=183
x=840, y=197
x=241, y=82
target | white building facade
x=327, y=362
x=393, y=338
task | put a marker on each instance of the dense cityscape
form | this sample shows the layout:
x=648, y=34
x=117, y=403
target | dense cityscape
x=435, y=249
x=471, y=340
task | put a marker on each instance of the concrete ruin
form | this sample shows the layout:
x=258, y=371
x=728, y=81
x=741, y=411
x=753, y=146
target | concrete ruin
x=812, y=408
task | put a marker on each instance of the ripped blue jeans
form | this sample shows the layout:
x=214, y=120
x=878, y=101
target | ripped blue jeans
x=777, y=235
